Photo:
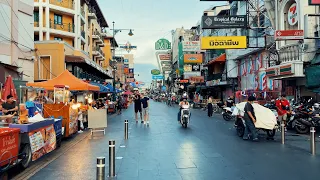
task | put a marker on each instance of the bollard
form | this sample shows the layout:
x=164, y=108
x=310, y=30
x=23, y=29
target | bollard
x=101, y=165
x=126, y=124
x=313, y=140
x=282, y=133
x=112, y=147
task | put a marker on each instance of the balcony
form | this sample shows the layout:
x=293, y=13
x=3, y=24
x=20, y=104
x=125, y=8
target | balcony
x=83, y=37
x=291, y=52
x=98, y=37
x=97, y=52
x=82, y=15
x=92, y=13
x=90, y=77
x=63, y=3
x=217, y=76
x=67, y=27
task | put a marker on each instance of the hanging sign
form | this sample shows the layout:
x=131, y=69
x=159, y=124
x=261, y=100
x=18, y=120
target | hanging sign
x=162, y=44
x=224, y=42
x=289, y=35
x=222, y=22
x=293, y=14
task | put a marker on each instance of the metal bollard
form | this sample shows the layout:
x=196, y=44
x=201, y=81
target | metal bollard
x=126, y=124
x=101, y=165
x=112, y=158
x=282, y=133
x=313, y=140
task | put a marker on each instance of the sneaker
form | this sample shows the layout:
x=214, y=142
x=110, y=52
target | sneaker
x=80, y=132
x=144, y=123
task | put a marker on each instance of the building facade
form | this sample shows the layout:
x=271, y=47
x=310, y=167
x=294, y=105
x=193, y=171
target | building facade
x=71, y=35
x=16, y=40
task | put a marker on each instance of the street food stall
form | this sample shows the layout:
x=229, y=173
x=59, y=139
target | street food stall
x=62, y=107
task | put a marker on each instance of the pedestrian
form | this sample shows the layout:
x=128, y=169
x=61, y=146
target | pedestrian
x=137, y=107
x=250, y=120
x=283, y=106
x=145, y=106
x=210, y=107
x=9, y=107
x=119, y=105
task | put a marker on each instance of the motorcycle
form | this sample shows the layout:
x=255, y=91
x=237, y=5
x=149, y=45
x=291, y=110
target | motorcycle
x=185, y=115
x=302, y=125
x=227, y=113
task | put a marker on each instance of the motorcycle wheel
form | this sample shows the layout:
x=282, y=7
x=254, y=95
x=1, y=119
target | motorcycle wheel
x=240, y=130
x=271, y=133
x=301, y=129
x=215, y=109
x=227, y=116
x=26, y=158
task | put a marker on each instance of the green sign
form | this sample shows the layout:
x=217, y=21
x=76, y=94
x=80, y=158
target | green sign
x=155, y=72
x=163, y=44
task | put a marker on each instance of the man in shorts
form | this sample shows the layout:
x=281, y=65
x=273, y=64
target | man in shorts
x=137, y=107
x=283, y=107
x=145, y=111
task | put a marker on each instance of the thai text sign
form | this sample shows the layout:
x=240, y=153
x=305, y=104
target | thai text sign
x=162, y=44
x=164, y=57
x=191, y=46
x=221, y=22
x=192, y=58
x=224, y=42
x=289, y=35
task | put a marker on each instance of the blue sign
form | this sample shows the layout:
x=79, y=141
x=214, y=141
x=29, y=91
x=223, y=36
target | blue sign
x=126, y=61
x=157, y=76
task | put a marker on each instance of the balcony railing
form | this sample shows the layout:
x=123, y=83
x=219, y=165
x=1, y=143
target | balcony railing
x=63, y=3
x=63, y=27
x=36, y=23
x=217, y=76
x=82, y=12
x=92, y=10
x=292, y=52
x=91, y=77
x=98, y=49
x=83, y=34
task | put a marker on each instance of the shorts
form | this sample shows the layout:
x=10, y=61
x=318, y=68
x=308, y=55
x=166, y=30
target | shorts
x=145, y=110
x=283, y=117
x=137, y=109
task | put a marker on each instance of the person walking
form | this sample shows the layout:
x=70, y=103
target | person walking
x=137, y=107
x=250, y=120
x=145, y=109
x=210, y=107
x=283, y=108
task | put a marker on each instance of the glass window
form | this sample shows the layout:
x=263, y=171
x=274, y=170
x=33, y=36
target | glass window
x=58, y=38
x=57, y=19
x=36, y=16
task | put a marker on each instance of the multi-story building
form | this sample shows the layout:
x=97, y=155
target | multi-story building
x=16, y=40
x=69, y=35
x=294, y=56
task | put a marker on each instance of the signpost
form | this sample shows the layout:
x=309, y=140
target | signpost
x=162, y=44
x=289, y=35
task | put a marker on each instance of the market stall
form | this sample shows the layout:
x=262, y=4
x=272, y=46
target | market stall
x=62, y=107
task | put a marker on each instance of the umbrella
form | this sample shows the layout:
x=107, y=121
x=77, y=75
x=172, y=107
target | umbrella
x=9, y=89
x=127, y=93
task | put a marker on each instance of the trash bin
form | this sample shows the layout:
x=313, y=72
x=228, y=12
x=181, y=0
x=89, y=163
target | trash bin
x=9, y=146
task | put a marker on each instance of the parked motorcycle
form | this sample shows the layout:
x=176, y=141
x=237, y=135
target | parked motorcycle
x=227, y=114
x=185, y=115
x=309, y=118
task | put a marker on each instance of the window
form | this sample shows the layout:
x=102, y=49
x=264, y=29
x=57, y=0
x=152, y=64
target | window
x=58, y=38
x=57, y=19
x=36, y=16
x=36, y=37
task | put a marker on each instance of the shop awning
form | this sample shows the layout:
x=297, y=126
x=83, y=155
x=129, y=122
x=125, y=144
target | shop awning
x=110, y=87
x=219, y=59
x=65, y=78
x=103, y=88
x=316, y=60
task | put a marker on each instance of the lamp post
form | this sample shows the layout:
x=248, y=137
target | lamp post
x=115, y=31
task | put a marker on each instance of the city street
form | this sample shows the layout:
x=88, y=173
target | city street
x=208, y=149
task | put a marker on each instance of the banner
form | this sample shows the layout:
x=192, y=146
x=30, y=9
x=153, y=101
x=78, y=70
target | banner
x=164, y=57
x=224, y=42
x=192, y=58
x=191, y=46
x=223, y=22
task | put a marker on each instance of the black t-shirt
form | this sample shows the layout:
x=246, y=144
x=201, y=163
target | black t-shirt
x=248, y=108
x=230, y=102
x=8, y=106
x=144, y=102
x=137, y=102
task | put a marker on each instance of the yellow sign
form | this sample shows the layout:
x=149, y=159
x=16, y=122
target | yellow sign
x=224, y=42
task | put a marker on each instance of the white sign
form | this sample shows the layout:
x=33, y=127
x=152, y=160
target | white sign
x=191, y=46
x=187, y=75
x=293, y=14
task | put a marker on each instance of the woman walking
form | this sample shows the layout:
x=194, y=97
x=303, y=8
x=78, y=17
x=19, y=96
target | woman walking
x=210, y=109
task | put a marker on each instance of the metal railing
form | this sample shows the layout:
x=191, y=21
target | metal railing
x=88, y=76
x=63, y=27
x=92, y=10
x=291, y=52
x=82, y=12
x=216, y=76
x=63, y=3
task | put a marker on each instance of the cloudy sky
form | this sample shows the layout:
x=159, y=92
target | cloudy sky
x=151, y=20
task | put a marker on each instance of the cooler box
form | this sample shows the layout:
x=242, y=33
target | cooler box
x=58, y=126
x=9, y=146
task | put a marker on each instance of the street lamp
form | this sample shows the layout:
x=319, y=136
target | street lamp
x=115, y=31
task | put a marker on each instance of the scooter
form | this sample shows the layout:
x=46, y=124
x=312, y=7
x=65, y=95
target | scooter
x=227, y=114
x=185, y=115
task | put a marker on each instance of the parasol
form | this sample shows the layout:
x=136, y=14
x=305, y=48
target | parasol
x=9, y=89
x=127, y=93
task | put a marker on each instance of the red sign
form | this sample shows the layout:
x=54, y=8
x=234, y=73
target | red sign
x=314, y=2
x=289, y=35
x=164, y=57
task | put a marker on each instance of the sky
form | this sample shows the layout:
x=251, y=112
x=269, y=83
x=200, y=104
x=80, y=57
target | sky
x=150, y=20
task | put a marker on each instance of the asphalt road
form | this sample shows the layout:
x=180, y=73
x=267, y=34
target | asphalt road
x=207, y=150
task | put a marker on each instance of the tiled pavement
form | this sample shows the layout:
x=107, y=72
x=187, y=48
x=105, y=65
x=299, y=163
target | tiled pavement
x=208, y=149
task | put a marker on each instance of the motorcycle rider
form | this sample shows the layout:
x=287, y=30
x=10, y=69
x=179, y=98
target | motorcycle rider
x=183, y=102
x=283, y=108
